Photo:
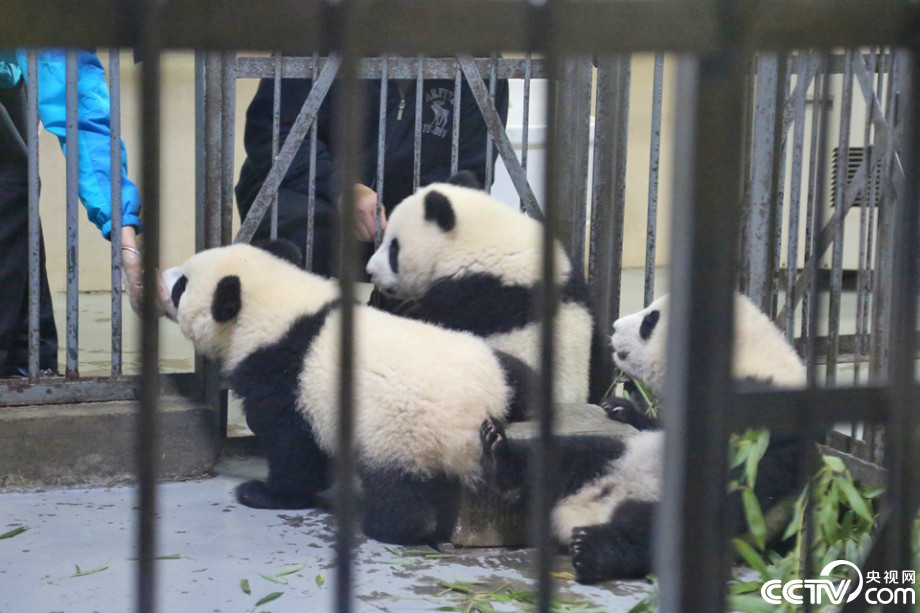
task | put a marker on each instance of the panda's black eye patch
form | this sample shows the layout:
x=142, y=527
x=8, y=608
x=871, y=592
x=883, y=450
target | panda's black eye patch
x=228, y=299
x=648, y=324
x=178, y=289
x=439, y=210
x=394, y=255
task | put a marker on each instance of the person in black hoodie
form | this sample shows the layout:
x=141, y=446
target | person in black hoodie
x=437, y=125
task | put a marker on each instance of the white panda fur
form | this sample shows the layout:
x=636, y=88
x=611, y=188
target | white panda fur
x=456, y=256
x=607, y=489
x=421, y=392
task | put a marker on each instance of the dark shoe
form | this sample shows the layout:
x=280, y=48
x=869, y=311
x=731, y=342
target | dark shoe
x=18, y=372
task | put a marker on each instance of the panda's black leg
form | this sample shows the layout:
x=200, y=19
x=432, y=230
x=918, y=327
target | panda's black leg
x=620, y=549
x=504, y=462
x=404, y=509
x=625, y=411
x=297, y=473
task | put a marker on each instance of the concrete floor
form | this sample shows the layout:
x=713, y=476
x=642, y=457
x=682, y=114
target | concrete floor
x=213, y=544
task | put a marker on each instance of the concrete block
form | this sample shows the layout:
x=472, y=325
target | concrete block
x=92, y=444
x=486, y=520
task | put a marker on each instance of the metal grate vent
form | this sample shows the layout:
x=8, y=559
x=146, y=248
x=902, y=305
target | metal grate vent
x=854, y=161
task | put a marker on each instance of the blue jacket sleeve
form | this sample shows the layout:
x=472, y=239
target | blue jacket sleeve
x=93, y=133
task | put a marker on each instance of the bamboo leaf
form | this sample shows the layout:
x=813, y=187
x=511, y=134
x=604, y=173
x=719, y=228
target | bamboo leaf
x=83, y=573
x=856, y=501
x=244, y=585
x=277, y=580
x=834, y=463
x=320, y=580
x=269, y=598
x=564, y=575
x=172, y=556
x=290, y=570
x=750, y=556
x=754, y=517
x=13, y=532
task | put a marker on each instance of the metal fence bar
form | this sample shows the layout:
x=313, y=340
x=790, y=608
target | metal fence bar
x=654, y=167
x=455, y=128
x=842, y=182
x=292, y=143
x=276, y=135
x=525, y=112
x=115, y=174
x=311, y=190
x=213, y=178
x=381, y=148
x=689, y=557
x=795, y=194
x=608, y=192
x=398, y=67
x=780, y=138
x=502, y=142
x=227, y=121
x=73, y=180
x=492, y=80
x=417, y=149
x=34, y=222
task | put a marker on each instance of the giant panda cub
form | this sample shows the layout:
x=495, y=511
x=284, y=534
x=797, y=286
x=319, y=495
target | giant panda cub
x=420, y=392
x=455, y=256
x=607, y=488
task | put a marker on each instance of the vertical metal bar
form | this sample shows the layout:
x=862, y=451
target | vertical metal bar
x=525, y=119
x=489, y=146
x=227, y=120
x=574, y=108
x=795, y=196
x=902, y=455
x=455, y=128
x=381, y=145
x=311, y=181
x=608, y=193
x=778, y=197
x=201, y=154
x=843, y=164
x=115, y=173
x=147, y=443
x=758, y=253
x=73, y=190
x=865, y=227
x=213, y=177
x=349, y=134
x=276, y=134
x=417, y=147
x=34, y=223
x=689, y=556
x=651, y=228
x=812, y=232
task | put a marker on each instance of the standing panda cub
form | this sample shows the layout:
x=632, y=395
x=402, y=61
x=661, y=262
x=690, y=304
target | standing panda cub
x=420, y=392
x=607, y=489
x=455, y=256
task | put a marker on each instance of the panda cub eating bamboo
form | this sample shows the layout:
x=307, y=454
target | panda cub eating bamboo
x=606, y=489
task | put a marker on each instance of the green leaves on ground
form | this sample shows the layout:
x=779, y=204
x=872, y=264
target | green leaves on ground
x=13, y=532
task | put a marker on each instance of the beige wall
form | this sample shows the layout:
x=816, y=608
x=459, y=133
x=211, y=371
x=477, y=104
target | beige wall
x=178, y=167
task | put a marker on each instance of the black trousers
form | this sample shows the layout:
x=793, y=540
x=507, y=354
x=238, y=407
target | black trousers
x=292, y=225
x=14, y=255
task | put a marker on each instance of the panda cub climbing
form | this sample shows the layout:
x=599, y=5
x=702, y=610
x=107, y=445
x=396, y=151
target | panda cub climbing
x=607, y=489
x=455, y=256
x=276, y=329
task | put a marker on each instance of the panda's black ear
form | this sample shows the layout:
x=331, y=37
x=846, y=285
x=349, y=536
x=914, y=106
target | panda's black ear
x=282, y=248
x=648, y=324
x=465, y=178
x=439, y=210
x=228, y=299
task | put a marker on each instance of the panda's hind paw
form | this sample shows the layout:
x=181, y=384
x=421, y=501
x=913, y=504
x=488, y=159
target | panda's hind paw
x=625, y=411
x=256, y=494
x=493, y=439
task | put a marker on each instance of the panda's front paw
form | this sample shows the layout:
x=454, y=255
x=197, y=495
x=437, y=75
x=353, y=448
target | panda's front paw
x=624, y=411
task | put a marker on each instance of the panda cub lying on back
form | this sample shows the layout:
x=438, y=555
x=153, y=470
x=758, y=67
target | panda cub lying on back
x=420, y=392
x=607, y=489
x=455, y=256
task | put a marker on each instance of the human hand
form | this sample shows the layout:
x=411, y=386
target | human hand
x=366, y=213
x=133, y=274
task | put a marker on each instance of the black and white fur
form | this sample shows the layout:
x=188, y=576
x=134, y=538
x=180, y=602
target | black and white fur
x=420, y=392
x=607, y=489
x=455, y=256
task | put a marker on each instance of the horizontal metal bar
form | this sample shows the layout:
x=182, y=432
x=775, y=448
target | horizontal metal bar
x=397, y=68
x=413, y=26
x=14, y=393
x=787, y=409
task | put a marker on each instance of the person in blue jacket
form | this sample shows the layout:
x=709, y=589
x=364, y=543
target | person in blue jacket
x=94, y=187
x=437, y=129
